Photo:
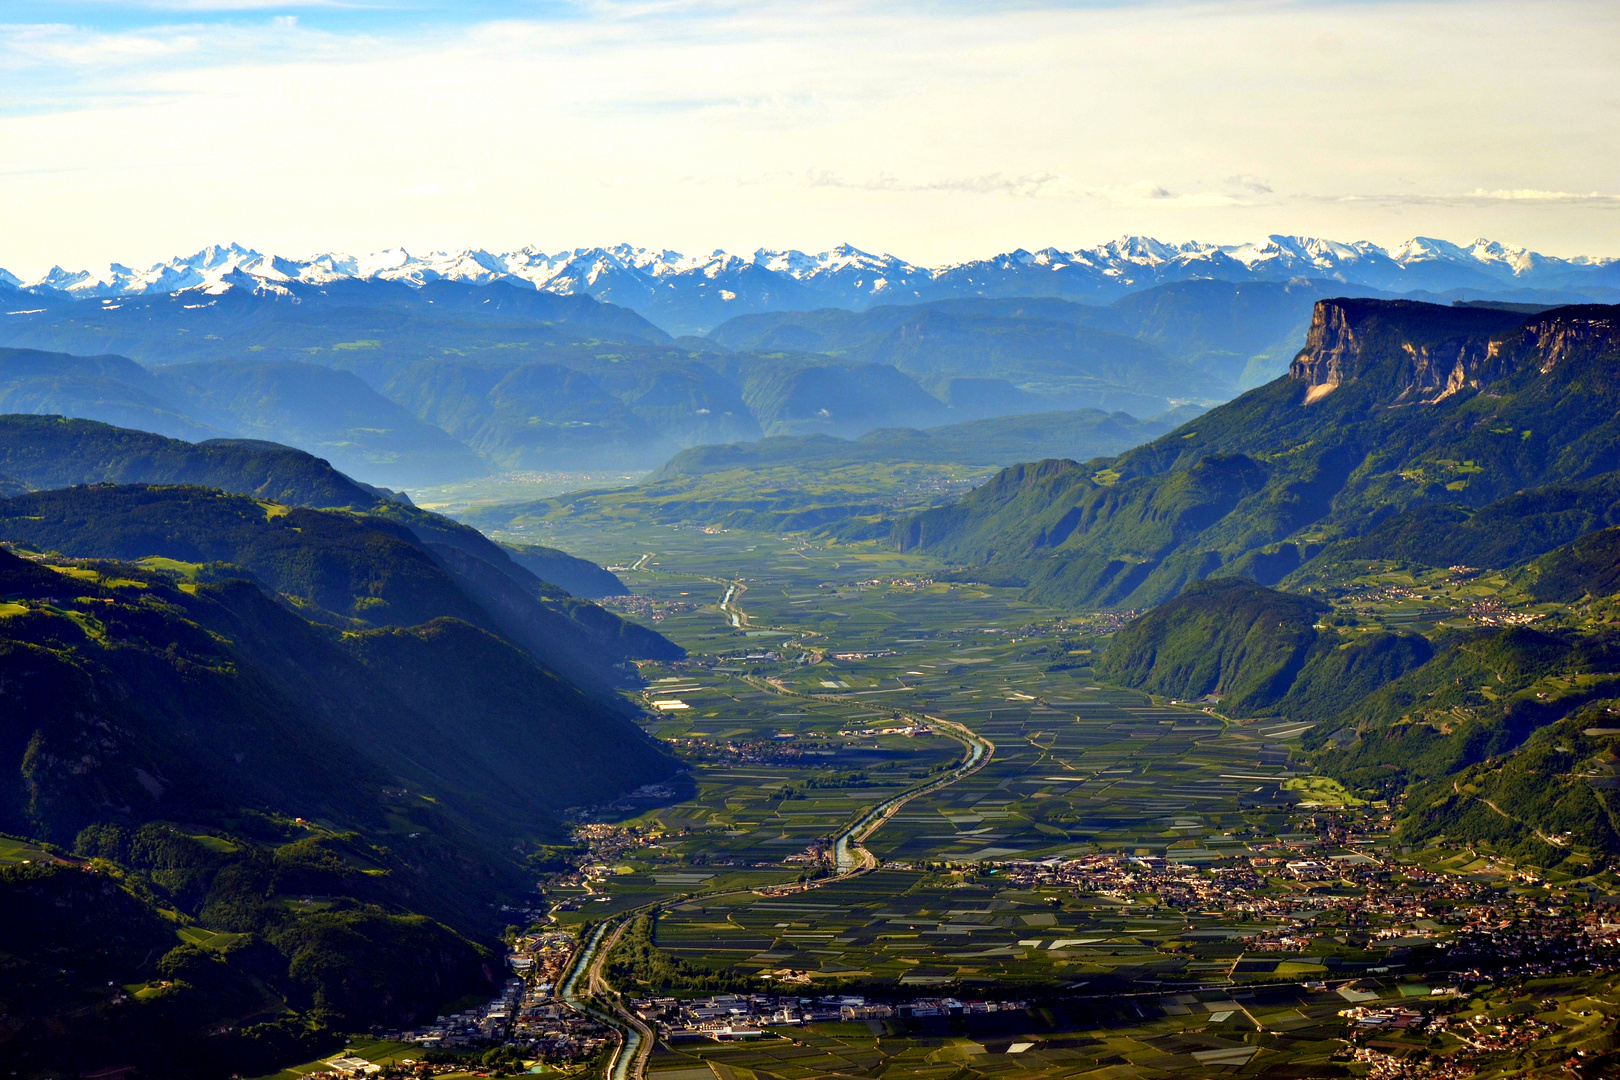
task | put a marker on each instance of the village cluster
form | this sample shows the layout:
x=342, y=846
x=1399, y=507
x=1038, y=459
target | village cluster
x=527, y=1014
x=1479, y=1034
x=1489, y=931
x=729, y=1017
x=486, y=1024
x=737, y=751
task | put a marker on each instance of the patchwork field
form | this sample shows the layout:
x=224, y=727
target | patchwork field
x=820, y=664
x=1207, y=1035
x=824, y=679
x=1257, y=909
x=923, y=929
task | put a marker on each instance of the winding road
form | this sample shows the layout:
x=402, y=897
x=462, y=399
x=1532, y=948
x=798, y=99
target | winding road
x=848, y=847
x=636, y=1039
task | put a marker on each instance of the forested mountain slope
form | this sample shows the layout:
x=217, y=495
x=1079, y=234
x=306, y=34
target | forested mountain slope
x=1391, y=405
x=398, y=773
x=1218, y=337
x=405, y=386
x=53, y=451
x=227, y=704
x=343, y=568
x=580, y=577
x=329, y=412
x=1023, y=349
x=977, y=442
x=110, y=388
x=376, y=668
x=1497, y=730
x=259, y=706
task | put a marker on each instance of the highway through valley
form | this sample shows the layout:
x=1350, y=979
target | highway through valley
x=600, y=1001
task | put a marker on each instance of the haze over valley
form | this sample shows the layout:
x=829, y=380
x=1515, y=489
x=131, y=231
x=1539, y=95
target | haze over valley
x=468, y=651
x=882, y=565
x=424, y=371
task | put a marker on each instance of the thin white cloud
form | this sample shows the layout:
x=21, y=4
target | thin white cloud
x=1533, y=195
x=129, y=62
x=1156, y=195
x=71, y=47
x=1252, y=184
x=1477, y=197
x=939, y=130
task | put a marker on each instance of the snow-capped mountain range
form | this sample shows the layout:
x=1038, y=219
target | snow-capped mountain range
x=691, y=293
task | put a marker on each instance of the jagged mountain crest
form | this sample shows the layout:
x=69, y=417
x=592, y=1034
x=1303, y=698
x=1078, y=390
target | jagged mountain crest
x=694, y=293
x=557, y=270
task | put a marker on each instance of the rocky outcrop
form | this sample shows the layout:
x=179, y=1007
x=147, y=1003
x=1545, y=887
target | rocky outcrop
x=1569, y=333
x=1421, y=353
x=1438, y=373
x=1331, y=350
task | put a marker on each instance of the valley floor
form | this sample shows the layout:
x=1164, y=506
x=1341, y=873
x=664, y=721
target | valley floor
x=1156, y=889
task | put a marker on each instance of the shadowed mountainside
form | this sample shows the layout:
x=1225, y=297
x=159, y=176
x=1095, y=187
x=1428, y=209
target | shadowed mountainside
x=392, y=772
x=342, y=568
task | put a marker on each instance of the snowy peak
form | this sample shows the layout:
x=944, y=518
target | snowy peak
x=689, y=293
x=1146, y=251
x=1307, y=255
x=1427, y=249
x=214, y=257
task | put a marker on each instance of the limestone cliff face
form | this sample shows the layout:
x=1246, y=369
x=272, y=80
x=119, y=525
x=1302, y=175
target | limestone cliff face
x=1424, y=353
x=1436, y=373
x=1568, y=334
x=1331, y=351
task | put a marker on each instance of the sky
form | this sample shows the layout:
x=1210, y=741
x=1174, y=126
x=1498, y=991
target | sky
x=135, y=131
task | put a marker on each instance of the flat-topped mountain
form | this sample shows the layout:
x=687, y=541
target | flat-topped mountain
x=1391, y=406
x=1450, y=349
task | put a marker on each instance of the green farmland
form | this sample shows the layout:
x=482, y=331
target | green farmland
x=839, y=647
x=820, y=670
x=827, y=678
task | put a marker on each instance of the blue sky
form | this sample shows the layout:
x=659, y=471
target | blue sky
x=337, y=15
x=938, y=131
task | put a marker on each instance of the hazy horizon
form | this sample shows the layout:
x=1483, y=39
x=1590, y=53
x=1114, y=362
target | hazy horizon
x=939, y=132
